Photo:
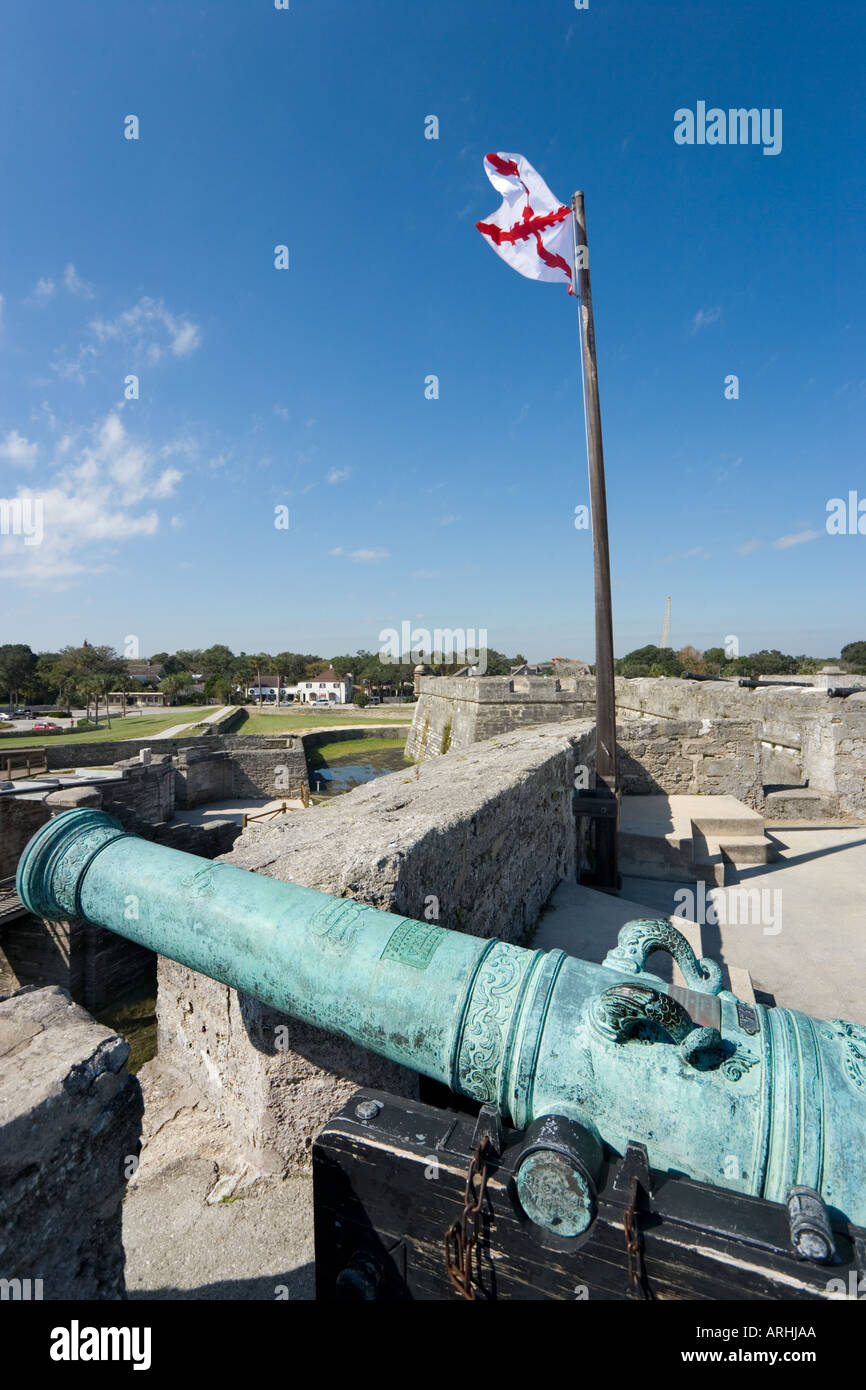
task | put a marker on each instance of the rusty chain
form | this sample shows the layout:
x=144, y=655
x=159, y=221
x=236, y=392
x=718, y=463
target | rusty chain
x=636, y=1272
x=460, y=1240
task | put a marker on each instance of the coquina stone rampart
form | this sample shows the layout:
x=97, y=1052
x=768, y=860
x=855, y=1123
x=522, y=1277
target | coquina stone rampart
x=70, y=1121
x=818, y=740
x=707, y=757
x=804, y=738
x=453, y=712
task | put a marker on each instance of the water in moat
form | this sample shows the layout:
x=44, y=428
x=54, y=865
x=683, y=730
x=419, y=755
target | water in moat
x=340, y=775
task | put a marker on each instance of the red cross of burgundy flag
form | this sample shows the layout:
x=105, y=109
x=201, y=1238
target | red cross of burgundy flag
x=532, y=229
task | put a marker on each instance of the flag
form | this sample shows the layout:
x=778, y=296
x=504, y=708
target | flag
x=532, y=229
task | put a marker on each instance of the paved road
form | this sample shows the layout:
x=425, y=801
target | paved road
x=177, y=730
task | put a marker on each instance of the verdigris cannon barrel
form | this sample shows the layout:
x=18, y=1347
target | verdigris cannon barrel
x=754, y=1099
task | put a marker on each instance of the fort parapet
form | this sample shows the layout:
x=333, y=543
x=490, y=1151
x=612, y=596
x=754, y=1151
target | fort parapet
x=707, y=737
x=457, y=711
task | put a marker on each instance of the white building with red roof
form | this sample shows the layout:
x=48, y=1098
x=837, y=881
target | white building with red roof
x=325, y=688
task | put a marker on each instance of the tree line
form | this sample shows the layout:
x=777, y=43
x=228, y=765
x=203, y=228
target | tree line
x=664, y=661
x=86, y=675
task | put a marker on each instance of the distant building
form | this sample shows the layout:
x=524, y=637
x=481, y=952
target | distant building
x=565, y=666
x=325, y=688
x=268, y=688
x=137, y=697
x=145, y=672
x=526, y=669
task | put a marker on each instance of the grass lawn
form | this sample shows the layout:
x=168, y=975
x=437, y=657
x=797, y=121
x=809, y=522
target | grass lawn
x=133, y=726
x=330, y=752
x=280, y=723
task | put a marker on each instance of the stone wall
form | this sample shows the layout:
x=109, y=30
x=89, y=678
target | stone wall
x=244, y=769
x=146, y=791
x=20, y=817
x=271, y=772
x=228, y=722
x=98, y=966
x=233, y=741
x=106, y=754
x=143, y=794
x=711, y=757
x=70, y=1120
x=94, y=965
x=476, y=841
x=453, y=712
x=202, y=775
x=803, y=737
x=391, y=731
x=799, y=729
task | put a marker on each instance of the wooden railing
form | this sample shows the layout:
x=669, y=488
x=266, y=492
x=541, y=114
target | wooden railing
x=263, y=815
x=23, y=761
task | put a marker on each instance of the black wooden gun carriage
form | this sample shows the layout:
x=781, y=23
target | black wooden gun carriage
x=417, y=1202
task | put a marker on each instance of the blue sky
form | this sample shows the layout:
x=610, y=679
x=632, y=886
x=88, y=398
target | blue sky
x=305, y=387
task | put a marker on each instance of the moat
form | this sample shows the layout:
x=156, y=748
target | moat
x=332, y=775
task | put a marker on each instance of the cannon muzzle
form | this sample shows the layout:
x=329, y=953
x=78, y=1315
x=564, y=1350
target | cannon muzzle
x=754, y=1099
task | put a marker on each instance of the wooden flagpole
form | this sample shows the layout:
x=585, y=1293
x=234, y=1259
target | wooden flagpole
x=607, y=875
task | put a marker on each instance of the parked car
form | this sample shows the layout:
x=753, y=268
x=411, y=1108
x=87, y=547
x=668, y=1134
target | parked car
x=374, y=700
x=46, y=726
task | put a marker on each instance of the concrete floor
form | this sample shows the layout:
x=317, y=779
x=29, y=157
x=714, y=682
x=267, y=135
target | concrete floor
x=801, y=935
x=807, y=945
x=236, y=809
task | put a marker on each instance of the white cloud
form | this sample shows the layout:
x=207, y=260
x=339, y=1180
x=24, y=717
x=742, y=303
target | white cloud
x=704, y=317
x=45, y=415
x=338, y=550
x=151, y=329
x=75, y=285
x=337, y=475
x=748, y=546
x=185, y=339
x=73, y=368
x=449, y=519
x=799, y=538
x=364, y=556
x=44, y=290
x=17, y=450
x=93, y=500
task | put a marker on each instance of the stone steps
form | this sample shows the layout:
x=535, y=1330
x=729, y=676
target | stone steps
x=800, y=803
x=685, y=837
